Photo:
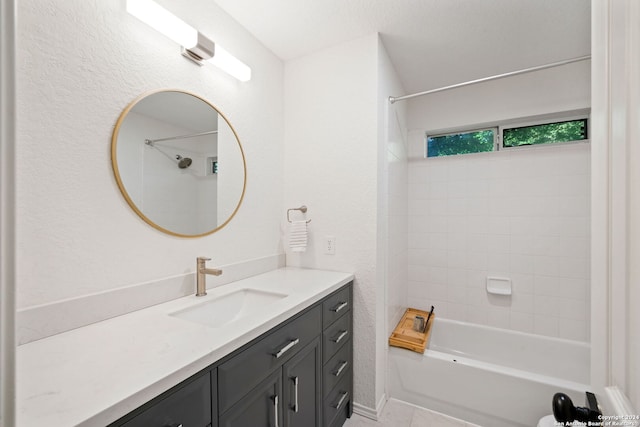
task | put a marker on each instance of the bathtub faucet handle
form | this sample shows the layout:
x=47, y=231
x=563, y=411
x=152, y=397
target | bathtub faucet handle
x=564, y=411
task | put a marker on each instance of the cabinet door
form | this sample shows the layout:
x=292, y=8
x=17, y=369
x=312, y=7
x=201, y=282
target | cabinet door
x=302, y=391
x=189, y=405
x=261, y=407
x=248, y=368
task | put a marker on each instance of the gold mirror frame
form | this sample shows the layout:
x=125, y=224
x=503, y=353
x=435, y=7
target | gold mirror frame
x=125, y=194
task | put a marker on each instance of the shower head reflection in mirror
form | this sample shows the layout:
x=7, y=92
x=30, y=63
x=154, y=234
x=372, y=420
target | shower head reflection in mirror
x=181, y=161
x=164, y=129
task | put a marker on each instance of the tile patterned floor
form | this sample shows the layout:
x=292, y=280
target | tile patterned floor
x=399, y=414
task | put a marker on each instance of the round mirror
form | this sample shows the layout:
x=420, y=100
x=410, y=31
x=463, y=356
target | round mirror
x=179, y=163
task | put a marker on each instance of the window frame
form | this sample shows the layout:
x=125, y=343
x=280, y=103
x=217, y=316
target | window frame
x=559, y=118
x=495, y=130
x=499, y=127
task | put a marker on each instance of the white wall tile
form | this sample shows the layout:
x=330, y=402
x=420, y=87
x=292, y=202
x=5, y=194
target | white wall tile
x=456, y=311
x=523, y=214
x=477, y=315
x=522, y=322
x=522, y=283
x=573, y=330
x=522, y=303
x=437, y=275
x=478, y=260
x=545, y=325
x=499, y=317
x=437, y=291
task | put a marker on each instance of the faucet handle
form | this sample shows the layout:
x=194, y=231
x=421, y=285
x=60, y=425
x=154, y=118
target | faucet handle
x=203, y=259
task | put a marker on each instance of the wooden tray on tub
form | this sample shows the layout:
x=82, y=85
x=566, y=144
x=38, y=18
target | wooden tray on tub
x=405, y=336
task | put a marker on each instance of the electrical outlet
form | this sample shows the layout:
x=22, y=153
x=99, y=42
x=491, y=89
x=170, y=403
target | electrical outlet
x=330, y=245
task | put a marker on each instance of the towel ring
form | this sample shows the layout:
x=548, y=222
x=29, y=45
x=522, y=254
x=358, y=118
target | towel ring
x=302, y=209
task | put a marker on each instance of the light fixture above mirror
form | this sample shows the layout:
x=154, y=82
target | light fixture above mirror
x=195, y=46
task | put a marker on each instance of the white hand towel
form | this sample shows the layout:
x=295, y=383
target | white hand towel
x=298, y=236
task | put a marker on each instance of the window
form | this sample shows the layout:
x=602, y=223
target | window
x=475, y=141
x=570, y=130
x=507, y=136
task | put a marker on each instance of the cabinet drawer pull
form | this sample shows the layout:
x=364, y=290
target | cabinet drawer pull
x=286, y=348
x=341, y=401
x=275, y=410
x=341, y=368
x=295, y=394
x=340, y=306
x=342, y=335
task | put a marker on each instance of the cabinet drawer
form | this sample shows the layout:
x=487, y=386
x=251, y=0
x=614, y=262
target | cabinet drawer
x=336, y=368
x=338, y=401
x=245, y=370
x=340, y=418
x=335, y=336
x=336, y=305
x=188, y=406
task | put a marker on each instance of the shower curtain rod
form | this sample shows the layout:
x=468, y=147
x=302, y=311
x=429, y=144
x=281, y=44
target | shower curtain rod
x=193, y=135
x=393, y=99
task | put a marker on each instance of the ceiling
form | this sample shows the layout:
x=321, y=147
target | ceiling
x=432, y=43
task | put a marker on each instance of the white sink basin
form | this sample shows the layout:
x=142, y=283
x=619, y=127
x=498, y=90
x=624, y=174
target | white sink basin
x=228, y=308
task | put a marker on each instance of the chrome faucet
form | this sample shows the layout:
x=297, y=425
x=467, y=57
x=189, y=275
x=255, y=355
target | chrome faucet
x=201, y=271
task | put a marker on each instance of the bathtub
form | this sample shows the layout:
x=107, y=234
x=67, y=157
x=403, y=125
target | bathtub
x=488, y=376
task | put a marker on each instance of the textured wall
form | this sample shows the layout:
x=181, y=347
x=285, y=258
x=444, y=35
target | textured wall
x=79, y=64
x=331, y=166
x=522, y=214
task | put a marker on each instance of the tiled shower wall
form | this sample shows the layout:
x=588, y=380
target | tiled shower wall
x=521, y=214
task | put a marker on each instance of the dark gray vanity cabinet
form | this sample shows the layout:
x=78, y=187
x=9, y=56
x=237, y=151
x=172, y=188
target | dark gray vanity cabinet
x=298, y=374
x=262, y=406
x=240, y=373
x=191, y=403
x=302, y=393
x=337, y=357
x=289, y=397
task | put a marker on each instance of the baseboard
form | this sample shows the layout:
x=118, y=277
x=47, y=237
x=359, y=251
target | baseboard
x=619, y=404
x=373, y=414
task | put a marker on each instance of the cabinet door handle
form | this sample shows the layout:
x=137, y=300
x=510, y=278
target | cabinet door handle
x=341, y=401
x=275, y=410
x=286, y=348
x=295, y=394
x=340, y=337
x=340, y=306
x=341, y=368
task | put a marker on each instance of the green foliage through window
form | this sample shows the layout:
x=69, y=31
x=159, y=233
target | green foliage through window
x=461, y=143
x=484, y=140
x=572, y=130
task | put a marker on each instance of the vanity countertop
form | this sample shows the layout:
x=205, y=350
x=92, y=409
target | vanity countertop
x=93, y=375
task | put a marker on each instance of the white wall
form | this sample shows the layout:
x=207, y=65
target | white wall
x=522, y=213
x=392, y=204
x=79, y=64
x=330, y=159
